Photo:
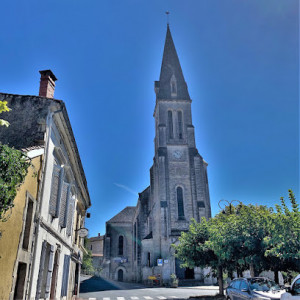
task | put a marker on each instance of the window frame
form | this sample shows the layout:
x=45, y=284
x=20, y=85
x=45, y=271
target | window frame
x=121, y=249
x=180, y=124
x=180, y=203
x=170, y=124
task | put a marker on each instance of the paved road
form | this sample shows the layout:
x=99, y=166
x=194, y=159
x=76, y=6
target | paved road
x=99, y=289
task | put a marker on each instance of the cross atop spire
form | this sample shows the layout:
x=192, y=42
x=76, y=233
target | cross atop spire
x=167, y=13
x=171, y=84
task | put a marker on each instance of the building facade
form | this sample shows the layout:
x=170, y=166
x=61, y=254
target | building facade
x=17, y=234
x=178, y=189
x=95, y=245
x=49, y=267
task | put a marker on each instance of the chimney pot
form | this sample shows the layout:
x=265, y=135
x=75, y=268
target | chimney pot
x=47, y=84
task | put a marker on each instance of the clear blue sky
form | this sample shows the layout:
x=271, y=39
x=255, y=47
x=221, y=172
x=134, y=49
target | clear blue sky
x=241, y=63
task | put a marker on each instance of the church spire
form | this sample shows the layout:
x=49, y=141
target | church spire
x=171, y=84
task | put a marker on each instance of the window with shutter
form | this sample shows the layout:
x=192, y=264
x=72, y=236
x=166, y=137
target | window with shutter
x=41, y=270
x=70, y=216
x=54, y=190
x=50, y=270
x=64, y=287
x=63, y=204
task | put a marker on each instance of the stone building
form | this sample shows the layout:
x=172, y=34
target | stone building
x=95, y=245
x=49, y=208
x=138, y=237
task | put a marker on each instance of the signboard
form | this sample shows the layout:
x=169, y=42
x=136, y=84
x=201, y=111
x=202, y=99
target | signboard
x=166, y=261
x=120, y=260
x=83, y=232
x=160, y=262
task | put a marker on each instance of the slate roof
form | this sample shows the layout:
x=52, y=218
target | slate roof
x=171, y=66
x=126, y=215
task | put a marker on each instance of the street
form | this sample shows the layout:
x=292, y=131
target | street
x=93, y=288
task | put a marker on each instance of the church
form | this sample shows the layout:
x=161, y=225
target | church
x=138, y=240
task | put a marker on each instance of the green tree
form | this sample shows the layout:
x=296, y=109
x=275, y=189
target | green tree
x=245, y=237
x=87, y=260
x=193, y=250
x=13, y=170
x=283, y=242
x=4, y=108
x=237, y=237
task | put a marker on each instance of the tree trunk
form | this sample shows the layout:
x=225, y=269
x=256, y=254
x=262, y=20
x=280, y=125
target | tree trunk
x=220, y=280
x=276, y=277
x=239, y=273
x=252, y=272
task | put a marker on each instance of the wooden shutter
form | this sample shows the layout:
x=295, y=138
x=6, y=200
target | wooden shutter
x=70, y=216
x=54, y=190
x=64, y=287
x=63, y=204
x=50, y=270
x=41, y=270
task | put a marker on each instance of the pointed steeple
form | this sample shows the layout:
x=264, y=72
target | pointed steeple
x=171, y=84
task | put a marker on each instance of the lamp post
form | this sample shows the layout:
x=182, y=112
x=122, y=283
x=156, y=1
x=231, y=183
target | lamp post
x=229, y=204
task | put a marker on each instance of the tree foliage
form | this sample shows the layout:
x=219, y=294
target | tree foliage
x=193, y=249
x=244, y=237
x=283, y=243
x=87, y=260
x=13, y=170
x=4, y=108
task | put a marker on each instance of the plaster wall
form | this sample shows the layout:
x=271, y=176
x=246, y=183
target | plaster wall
x=12, y=231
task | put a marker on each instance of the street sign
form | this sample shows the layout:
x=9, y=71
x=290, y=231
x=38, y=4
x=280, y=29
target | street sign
x=160, y=262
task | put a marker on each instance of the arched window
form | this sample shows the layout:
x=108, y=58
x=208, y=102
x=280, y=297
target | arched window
x=170, y=124
x=121, y=245
x=148, y=259
x=180, y=203
x=180, y=124
x=120, y=275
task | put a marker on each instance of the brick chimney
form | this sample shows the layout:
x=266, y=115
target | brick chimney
x=47, y=84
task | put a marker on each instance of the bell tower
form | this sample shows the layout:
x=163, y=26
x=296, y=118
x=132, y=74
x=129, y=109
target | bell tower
x=180, y=186
x=181, y=171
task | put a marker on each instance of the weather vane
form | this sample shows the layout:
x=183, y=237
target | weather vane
x=167, y=13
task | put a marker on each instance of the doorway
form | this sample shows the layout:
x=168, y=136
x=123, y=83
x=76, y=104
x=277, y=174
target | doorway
x=120, y=275
x=21, y=275
x=189, y=273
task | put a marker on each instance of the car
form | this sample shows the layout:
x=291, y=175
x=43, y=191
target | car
x=254, y=288
x=292, y=292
